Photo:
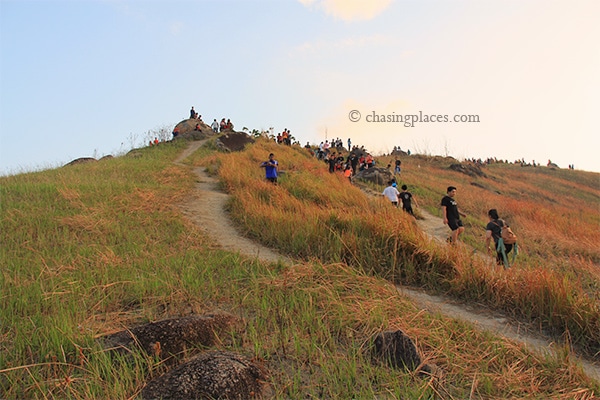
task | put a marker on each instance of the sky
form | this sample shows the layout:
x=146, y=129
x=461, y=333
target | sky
x=482, y=78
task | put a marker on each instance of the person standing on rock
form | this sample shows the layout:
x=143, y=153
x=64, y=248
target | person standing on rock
x=215, y=126
x=452, y=215
x=271, y=166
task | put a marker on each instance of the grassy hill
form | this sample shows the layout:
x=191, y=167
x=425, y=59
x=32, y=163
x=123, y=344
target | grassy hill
x=92, y=248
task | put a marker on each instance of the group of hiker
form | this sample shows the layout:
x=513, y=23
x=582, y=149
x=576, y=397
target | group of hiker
x=496, y=230
x=215, y=126
x=284, y=137
x=393, y=195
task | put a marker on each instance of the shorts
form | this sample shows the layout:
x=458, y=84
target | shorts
x=272, y=180
x=454, y=224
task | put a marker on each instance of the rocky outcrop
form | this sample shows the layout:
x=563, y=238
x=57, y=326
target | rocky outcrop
x=469, y=169
x=171, y=337
x=211, y=375
x=380, y=176
x=233, y=141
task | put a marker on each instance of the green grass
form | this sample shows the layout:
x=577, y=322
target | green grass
x=90, y=249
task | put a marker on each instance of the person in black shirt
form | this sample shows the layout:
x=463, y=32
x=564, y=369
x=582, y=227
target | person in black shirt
x=407, y=199
x=451, y=214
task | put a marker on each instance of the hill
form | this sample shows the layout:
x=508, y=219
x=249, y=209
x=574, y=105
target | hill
x=94, y=248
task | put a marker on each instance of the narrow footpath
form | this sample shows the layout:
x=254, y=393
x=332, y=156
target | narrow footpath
x=206, y=208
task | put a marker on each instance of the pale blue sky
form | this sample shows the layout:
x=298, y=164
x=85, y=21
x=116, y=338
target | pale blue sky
x=90, y=78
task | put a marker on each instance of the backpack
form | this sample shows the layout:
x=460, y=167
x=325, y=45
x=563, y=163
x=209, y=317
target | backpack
x=507, y=235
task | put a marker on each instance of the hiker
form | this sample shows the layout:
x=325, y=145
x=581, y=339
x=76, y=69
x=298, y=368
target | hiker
x=229, y=125
x=215, y=126
x=397, y=164
x=348, y=172
x=222, y=125
x=493, y=230
x=175, y=132
x=369, y=161
x=270, y=167
x=391, y=193
x=156, y=141
x=331, y=161
x=452, y=214
x=407, y=199
x=192, y=113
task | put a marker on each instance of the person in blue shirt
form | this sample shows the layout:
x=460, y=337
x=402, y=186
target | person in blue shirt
x=270, y=167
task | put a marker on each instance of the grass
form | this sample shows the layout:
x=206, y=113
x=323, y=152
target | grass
x=90, y=249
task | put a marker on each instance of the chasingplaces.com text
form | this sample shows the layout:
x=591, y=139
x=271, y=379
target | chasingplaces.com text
x=409, y=120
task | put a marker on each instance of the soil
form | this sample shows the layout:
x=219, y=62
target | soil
x=206, y=208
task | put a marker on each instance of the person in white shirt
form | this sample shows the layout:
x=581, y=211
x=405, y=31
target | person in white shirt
x=392, y=193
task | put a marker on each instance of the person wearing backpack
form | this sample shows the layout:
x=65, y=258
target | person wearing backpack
x=493, y=231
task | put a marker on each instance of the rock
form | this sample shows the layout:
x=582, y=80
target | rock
x=233, y=141
x=469, y=169
x=211, y=375
x=81, y=160
x=396, y=349
x=172, y=336
x=187, y=130
x=380, y=176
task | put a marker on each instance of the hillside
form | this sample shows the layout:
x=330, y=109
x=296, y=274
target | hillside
x=95, y=248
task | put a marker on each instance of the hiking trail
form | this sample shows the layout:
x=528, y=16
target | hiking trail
x=206, y=208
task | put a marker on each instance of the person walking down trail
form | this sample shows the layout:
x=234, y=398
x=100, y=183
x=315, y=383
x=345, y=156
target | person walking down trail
x=407, y=199
x=452, y=215
x=493, y=231
x=397, y=168
x=271, y=166
x=391, y=193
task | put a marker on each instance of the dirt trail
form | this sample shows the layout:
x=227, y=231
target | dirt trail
x=206, y=208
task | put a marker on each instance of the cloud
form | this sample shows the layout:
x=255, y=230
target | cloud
x=349, y=10
x=176, y=28
x=320, y=46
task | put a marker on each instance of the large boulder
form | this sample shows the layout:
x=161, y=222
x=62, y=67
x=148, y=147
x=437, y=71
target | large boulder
x=233, y=141
x=171, y=337
x=380, y=176
x=211, y=375
x=193, y=129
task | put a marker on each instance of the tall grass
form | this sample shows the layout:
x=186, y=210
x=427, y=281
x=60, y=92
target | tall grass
x=95, y=248
x=314, y=214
